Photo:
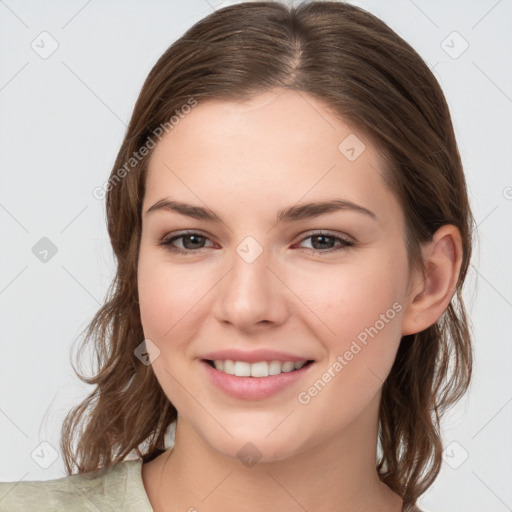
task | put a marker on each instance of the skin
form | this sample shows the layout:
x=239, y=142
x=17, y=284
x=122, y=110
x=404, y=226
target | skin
x=246, y=161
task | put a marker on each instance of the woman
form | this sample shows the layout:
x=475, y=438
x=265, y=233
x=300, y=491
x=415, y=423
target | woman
x=291, y=225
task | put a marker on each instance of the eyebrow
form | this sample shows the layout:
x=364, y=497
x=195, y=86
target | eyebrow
x=290, y=214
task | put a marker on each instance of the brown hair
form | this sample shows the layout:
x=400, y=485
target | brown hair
x=368, y=76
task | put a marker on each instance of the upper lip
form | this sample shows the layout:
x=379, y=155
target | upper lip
x=253, y=356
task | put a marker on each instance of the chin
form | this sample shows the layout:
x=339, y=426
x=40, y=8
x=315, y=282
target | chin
x=251, y=449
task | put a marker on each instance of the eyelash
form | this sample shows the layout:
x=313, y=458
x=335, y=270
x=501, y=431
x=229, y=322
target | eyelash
x=345, y=244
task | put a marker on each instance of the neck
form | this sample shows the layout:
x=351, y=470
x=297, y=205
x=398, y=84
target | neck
x=338, y=473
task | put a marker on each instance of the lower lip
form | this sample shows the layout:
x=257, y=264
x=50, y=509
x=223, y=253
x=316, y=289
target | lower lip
x=253, y=388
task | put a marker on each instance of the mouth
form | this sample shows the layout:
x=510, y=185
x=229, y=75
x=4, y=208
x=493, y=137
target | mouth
x=257, y=374
x=257, y=370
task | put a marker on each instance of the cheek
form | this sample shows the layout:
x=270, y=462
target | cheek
x=348, y=299
x=168, y=294
x=156, y=300
x=362, y=310
x=167, y=297
x=357, y=316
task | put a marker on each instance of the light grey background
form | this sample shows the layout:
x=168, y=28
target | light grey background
x=62, y=119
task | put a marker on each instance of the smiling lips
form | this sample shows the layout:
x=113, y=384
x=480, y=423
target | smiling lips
x=256, y=374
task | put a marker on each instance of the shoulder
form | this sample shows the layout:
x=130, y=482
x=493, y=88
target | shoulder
x=119, y=487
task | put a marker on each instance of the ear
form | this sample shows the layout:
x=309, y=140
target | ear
x=430, y=295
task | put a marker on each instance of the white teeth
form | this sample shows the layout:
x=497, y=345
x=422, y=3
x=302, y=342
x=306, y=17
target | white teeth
x=242, y=369
x=274, y=368
x=288, y=366
x=229, y=367
x=259, y=369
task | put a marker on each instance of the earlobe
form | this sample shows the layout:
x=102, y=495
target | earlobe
x=431, y=293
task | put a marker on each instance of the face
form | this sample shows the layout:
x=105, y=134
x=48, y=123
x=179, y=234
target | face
x=329, y=288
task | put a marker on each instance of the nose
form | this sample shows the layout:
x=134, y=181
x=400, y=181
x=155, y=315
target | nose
x=252, y=295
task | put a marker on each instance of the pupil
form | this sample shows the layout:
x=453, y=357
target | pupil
x=191, y=237
x=324, y=237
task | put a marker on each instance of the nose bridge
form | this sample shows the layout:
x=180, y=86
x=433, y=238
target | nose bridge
x=250, y=292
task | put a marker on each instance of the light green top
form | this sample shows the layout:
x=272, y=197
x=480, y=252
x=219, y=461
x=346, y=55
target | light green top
x=120, y=488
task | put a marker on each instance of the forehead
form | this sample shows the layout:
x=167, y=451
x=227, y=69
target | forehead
x=273, y=150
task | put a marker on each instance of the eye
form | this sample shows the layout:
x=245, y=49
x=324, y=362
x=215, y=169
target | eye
x=321, y=239
x=191, y=241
